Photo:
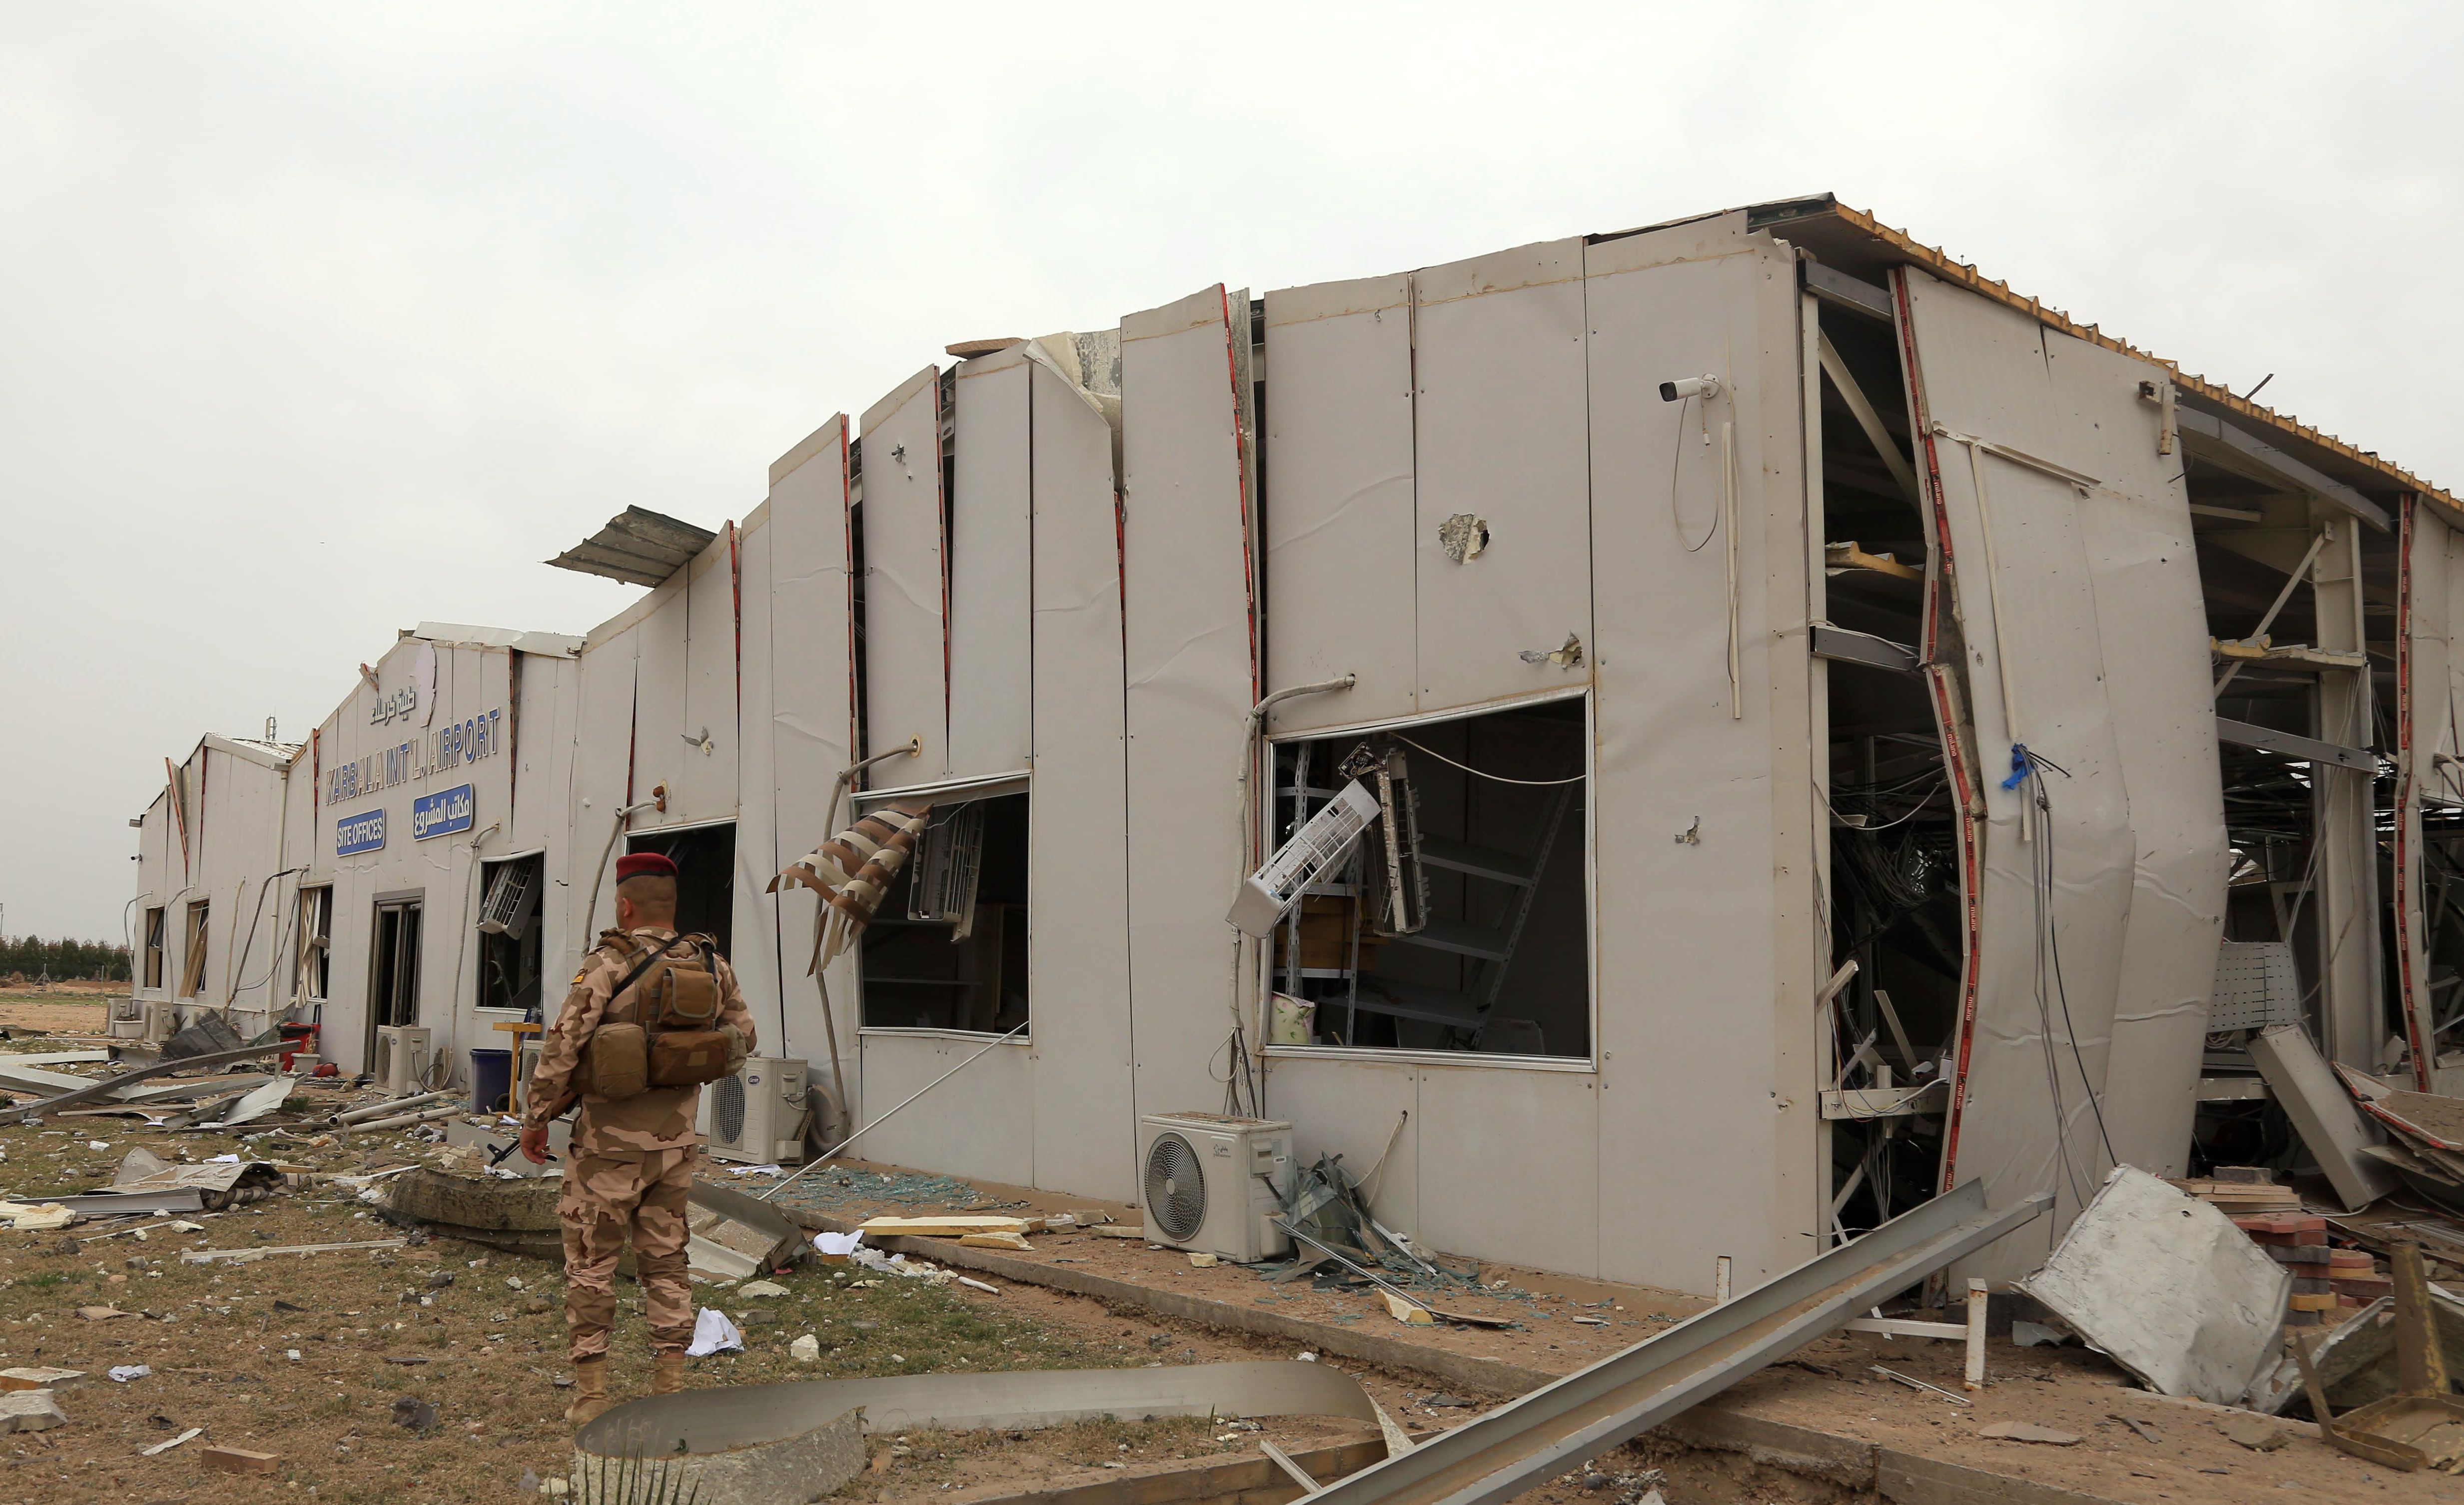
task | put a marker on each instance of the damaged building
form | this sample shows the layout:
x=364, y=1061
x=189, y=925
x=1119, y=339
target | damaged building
x=1790, y=726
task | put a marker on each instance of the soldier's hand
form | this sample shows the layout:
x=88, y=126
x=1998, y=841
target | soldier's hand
x=535, y=1144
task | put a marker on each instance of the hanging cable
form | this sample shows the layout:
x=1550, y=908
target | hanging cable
x=1477, y=773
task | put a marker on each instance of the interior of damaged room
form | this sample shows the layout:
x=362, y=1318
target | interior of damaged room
x=1584, y=824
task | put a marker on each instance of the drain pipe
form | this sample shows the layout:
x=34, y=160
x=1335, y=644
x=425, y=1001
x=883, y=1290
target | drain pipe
x=1249, y=858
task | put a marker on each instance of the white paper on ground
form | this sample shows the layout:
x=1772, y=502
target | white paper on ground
x=837, y=1243
x=714, y=1332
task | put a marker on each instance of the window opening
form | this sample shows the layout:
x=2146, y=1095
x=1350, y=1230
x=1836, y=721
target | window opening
x=509, y=933
x=705, y=859
x=192, y=958
x=947, y=949
x=1460, y=920
x=313, y=964
x=155, y=928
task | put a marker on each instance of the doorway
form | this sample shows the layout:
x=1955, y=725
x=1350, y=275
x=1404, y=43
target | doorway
x=393, y=960
x=705, y=859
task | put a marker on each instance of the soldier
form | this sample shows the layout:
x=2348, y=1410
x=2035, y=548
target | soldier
x=634, y=1153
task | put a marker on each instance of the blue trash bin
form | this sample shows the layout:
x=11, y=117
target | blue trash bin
x=491, y=1080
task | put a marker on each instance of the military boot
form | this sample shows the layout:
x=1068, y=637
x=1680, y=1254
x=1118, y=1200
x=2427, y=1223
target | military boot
x=669, y=1377
x=589, y=1392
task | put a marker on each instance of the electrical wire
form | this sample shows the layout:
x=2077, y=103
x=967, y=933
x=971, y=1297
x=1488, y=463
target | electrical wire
x=2049, y=953
x=1493, y=777
x=1676, y=454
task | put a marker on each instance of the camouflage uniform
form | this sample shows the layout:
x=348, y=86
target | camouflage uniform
x=630, y=1163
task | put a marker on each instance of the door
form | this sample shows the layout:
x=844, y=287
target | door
x=393, y=982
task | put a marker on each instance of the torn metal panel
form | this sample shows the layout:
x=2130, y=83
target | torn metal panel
x=2012, y=572
x=2168, y=1288
x=1192, y=671
x=2150, y=623
x=2426, y=733
x=1340, y=539
x=658, y=748
x=906, y=641
x=1500, y=433
x=1077, y=840
x=637, y=547
x=2322, y=1113
x=992, y=669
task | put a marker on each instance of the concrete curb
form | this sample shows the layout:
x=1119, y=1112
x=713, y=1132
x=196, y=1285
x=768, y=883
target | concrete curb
x=1908, y=1478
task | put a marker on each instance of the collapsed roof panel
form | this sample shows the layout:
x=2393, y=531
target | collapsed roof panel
x=637, y=547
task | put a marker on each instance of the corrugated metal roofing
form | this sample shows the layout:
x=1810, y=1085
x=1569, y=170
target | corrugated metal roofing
x=638, y=547
x=1854, y=241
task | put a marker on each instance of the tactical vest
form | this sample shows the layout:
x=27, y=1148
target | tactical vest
x=661, y=1028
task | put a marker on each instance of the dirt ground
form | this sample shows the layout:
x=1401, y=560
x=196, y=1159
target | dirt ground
x=65, y=1008
x=307, y=1357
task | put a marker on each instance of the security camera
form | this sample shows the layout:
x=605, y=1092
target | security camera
x=1704, y=387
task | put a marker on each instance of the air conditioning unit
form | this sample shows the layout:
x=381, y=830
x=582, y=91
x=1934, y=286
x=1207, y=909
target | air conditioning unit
x=1325, y=840
x=513, y=894
x=162, y=1018
x=402, y=1058
x=1208, y=1184
x=127, y=1021
x=756, y=1115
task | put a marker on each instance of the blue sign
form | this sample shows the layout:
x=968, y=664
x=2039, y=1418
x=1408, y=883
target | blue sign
x=363, y=833
x=442, y=812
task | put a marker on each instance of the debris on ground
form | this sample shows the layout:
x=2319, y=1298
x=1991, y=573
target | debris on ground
x=2030, y=1431
x=2168, y=1287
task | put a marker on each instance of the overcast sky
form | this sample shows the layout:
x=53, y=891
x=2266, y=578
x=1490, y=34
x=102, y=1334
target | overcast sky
x=319, y=321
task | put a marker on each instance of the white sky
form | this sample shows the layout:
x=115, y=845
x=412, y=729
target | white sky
x=318, y=320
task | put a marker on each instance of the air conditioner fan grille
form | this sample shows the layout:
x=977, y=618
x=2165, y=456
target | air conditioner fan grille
x=1175, y=1185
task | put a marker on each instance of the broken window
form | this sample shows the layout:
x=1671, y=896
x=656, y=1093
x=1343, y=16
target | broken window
x=192, y=958
x=947, y=949
x=509, y=933
x=1460, y=917
x=705, y=859
x=155, y=926
x=313, y=963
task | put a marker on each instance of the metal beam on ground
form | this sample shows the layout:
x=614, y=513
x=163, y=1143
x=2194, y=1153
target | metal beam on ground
x=1547, y=1432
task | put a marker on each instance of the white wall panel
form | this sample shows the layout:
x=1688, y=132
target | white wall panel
x=1509, y=1161
x=1705, y=958
x=1078, y=946
x=756, y=920
x=2151, y=619
x=1191, y=676
x=1339, y=586
x=906, y=647
x=1354, y=1108
x=659, y=748
x=979, y=1125
x=812, y=717
x=601, y=762
x=2025, y=596
x=992, y=669
x=706, y=782
x=1498, y=346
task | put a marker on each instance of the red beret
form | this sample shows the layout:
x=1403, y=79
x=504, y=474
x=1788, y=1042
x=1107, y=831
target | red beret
x=645, y=864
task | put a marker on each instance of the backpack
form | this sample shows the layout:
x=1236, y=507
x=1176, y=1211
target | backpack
x=661, y=1028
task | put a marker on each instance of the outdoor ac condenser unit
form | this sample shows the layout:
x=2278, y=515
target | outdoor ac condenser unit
x=402, y=1058
x=513, y=894
x=1209, y=1184
x=756, y=1115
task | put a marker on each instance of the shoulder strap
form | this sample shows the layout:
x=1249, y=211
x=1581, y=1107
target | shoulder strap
x=635, y=975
